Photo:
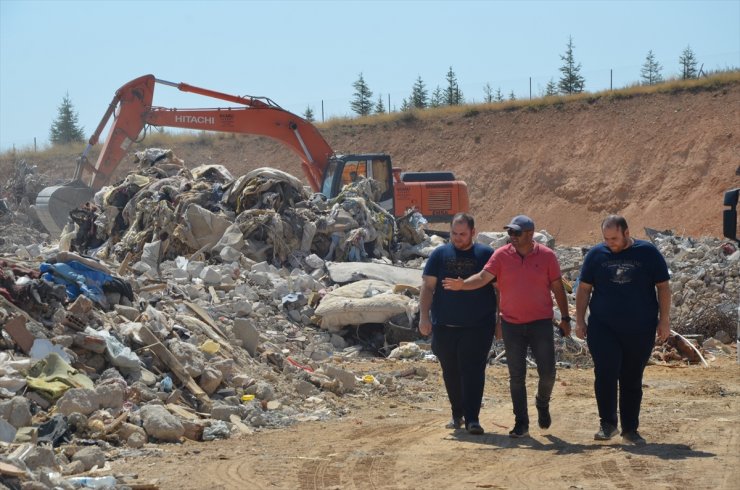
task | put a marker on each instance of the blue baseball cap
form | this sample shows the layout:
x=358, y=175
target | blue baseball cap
x=520, y=223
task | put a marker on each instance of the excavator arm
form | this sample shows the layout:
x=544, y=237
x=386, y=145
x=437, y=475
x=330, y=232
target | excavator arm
x=132, y=110
x=257, y=116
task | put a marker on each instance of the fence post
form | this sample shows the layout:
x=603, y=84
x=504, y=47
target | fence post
x=322, y=110
x=530, y=88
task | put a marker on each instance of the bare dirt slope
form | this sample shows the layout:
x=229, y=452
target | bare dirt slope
x=663, y=160
x=690, y=417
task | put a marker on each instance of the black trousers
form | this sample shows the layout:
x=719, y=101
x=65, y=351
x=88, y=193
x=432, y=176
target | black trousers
x=462, y=353
x=619, y=361
x=538, y=336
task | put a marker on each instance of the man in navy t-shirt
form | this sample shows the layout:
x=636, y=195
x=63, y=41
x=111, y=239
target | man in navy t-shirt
x=618, y=283
x=462, y=322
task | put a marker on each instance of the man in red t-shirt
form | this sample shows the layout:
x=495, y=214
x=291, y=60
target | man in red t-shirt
x=526, y=273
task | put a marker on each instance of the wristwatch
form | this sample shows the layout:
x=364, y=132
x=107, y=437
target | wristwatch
x=566, y=318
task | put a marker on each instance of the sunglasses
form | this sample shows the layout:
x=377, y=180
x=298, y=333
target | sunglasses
x=514, y=232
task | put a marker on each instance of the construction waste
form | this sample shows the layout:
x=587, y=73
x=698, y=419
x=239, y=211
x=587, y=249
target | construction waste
x=187, y=304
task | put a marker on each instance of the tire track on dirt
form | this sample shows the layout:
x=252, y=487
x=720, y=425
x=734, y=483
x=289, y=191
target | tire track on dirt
x=373, y=464
x=321, y=473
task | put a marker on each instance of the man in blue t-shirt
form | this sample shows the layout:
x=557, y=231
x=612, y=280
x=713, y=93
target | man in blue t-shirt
x=618, y=284
x=462, y=322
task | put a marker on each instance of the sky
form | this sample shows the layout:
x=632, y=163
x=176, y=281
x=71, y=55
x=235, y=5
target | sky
x=307, y=53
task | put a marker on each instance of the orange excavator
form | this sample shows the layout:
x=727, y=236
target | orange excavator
x=436, y=195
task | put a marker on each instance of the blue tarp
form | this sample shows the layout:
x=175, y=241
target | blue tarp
x=78, y=279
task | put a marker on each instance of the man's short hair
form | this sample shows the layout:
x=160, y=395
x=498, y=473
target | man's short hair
x=614, y=221
x=466, y=218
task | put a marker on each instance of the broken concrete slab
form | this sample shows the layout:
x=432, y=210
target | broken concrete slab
x=160, y=423
x=245, y=331
x=344, y=272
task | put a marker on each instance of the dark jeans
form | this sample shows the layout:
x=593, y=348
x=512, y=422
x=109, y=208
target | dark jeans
x=462, y=353
x=537, y=335
x=619, y=359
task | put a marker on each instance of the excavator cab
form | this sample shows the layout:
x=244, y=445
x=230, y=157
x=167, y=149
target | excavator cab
x=729, y=216
x=346, y=169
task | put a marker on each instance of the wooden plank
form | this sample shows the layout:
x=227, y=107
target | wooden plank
x=124, y=265
x=203, y=315
x=10, y=470
x=182, y=412
x=171, y=361
x=152, y=287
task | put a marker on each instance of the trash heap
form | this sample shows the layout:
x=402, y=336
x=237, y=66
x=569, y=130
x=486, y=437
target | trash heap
x=705, y=285
x=17, y=219
x=164, y=210
x=705, y=282
x=200, y=310
x=185, y=304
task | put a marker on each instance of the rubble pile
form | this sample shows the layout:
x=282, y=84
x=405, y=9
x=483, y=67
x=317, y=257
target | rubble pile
x=18, y=223
x=164, y=210
x=705, y=282
x=186, y=304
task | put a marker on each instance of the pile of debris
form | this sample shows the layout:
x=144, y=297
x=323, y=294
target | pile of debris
x=188, y=304
x=165, y=210
x=705, y=282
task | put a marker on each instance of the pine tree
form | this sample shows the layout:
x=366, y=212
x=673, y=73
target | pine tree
x=551, y=89
x=419, y=94
x=379, y=106
x=437, y=97
x=65, y=128
x=688, y=63
x=308, y=114
x=452, y=95
x=571, y=82
x=361, y=102
x=650, y=71
x=488, y=92
x=405, y=106
x=512, y=96
x=499, y=97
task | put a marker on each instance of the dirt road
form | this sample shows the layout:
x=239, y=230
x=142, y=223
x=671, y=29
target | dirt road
x=690, y=417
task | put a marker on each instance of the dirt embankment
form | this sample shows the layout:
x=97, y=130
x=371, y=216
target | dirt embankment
x=662, y=160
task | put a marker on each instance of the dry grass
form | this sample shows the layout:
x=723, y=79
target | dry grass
x=713, y=82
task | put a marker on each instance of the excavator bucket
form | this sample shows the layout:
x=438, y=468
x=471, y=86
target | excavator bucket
x=53, y=204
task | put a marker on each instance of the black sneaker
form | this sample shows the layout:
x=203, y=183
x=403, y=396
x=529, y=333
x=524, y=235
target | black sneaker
x=606, y=432
x=456, y=423
x=520, y=430
x=633, y=437
x=543, y=417
x=475, y=429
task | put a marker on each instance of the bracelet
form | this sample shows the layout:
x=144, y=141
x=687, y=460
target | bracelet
x=566, y=318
